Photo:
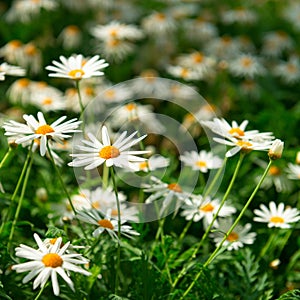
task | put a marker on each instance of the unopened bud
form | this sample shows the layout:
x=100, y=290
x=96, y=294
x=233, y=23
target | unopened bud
x=276, y=149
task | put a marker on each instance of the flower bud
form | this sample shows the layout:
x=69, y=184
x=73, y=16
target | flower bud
x=276, y=149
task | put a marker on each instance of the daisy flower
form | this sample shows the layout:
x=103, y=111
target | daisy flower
x=196, y=208
x=116, y=154
x=159, y=24
x=71, y=37
x=293, y=171
x=246, y=65
x=40, y=130
x=106, y=224
x=239, y=237
x=288, y=71
x=202, y=161
x=240, y=15
x=277, y=216
x=171, y=194
x=77, y=67
x=46, y=262
x=153, y=163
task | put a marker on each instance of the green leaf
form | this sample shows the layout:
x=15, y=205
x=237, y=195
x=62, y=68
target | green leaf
x=290, y=295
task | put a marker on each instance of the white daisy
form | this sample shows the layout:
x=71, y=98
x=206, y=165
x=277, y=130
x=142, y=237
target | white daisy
x=240, y=15
x=184, y=73
x=246, y=65
x=47, y=262
x=70, y=36
x=106, y=224
x=116, y=154
x=159, y=24
x=77, y=67
x=153, y=163
x=202, y=161
x=239, y=237
x=171, y=194
x=293, y=171
x=196, y=208
x=40, y=130
x=245, y=145
x=288, y=71
x=223, y=128
x=277, y=216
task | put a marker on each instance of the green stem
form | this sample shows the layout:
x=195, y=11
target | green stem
x=6, y=156
x=105, y=177
x=268, y=244
x=184, y=231
x=40, y=292
x=79, y=96
x=14, y=223
x=65, y=190
x=215, y=253
x=237, y=168
x=119, y=229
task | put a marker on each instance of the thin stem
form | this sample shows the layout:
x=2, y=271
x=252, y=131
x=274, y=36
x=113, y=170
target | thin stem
x=20, y=202
x=119, y=228
x=79, y=96
x=6, y=156
x=267, y=245
x=40, y=292
x=238, y=165
x=215, y=253
x=105, y=177
x=17, y=187
x=184, y=231
x=65, y=190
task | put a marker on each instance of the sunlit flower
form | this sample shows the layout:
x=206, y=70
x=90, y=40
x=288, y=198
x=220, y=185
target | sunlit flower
x=196, y=208
x=291, y=13
x=12, y=51
x=77, y=67
x=31, y=58
x=246, y=65
x=106, y=224
x=293, y=171
x=47, y=262
x=239, y=237
x=40, y=130
x=277, y=216
x=117, y=154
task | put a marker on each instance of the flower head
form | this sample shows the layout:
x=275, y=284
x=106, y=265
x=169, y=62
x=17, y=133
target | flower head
x=46, y=262
x=116, y=154
x=276, y=149
x=237, y=238
x=39, y=130
x=77, y=67
x=277, y=216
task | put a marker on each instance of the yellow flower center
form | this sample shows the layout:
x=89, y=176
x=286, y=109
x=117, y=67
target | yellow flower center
x=108, y=152
x=72, y=29
x=30, y=50
x=110, y=93
x=175, y=187
x=232, y=237
x=113, y=32
x=52, y=241
x=15, y=44
x=113, y=42
x=143, y=165
x=96, y=205
x=24, y=82
x=52, y=260
x=201, y=164
x=47, y=101
x=44, y=129
x=274, y=171
x=160, y=16
x=184, y=72
x=106, y=224
x=276, y=219
x=89, y=91
x=292, y=69
x=207, y=207
x=130, y=106
x=236, y=131
x=114, y=212
x=244, y=144
x=246, y=62
x=76, y=73
x=198, y=57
